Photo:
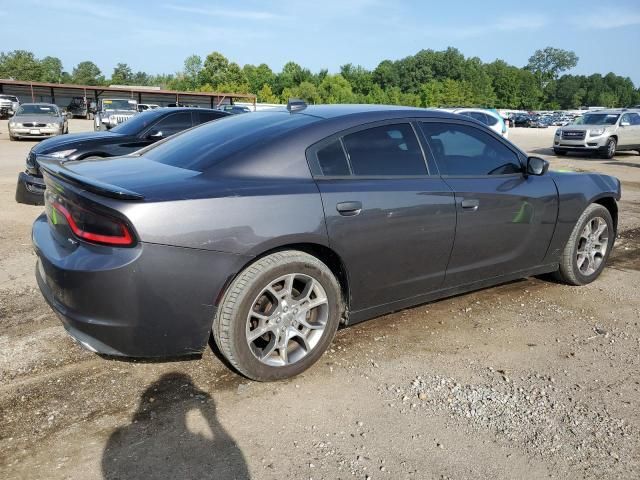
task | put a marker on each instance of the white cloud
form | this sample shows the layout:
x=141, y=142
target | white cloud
x=610, y=18
x=219, y=12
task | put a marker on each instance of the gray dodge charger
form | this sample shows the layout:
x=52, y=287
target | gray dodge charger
x=268, y=230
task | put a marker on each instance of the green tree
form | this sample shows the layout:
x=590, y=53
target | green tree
x=258, y=77
x=266, y=95
x=548, y=63
x=20, y=65
x=87, y=73
x=51, y=70
x=336, y=89
x=122, y=75
x=360, y=78
x=192, y=71
x=308, y=92
x=214, y=70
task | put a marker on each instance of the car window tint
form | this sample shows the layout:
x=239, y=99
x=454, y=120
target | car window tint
x=173, y=123
x=465, y=150
x=385, y=150
x=332, y=160
x=635, y=119
x=205, y=117
x=491, y=120
x=481, y=117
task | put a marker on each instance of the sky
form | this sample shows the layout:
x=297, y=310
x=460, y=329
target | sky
x=156, y=36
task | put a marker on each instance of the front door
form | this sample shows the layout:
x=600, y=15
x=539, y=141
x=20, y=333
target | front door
x=389, y=220
x=505, y=219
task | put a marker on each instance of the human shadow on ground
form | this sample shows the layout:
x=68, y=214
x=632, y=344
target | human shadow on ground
x=174, y=434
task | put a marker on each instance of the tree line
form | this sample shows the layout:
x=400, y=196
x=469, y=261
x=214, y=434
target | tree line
x=427, y=79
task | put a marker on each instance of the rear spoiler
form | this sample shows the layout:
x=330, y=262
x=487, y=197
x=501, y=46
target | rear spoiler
x=55, y=167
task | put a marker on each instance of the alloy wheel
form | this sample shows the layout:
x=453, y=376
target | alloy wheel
x=592, y=246
x=287, y=319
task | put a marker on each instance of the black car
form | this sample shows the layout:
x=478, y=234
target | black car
x=269, y=230
x=138, y=132
x=523, y=121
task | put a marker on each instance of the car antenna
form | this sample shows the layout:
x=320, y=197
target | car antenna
x=296, y=105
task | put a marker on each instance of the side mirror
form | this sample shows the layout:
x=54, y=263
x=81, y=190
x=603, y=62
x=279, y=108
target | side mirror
x=625, y=124
x=155, y=134
x=537, y=166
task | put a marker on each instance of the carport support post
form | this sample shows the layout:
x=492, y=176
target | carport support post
x=139, y=97
x=53, y=97
x=33, y=99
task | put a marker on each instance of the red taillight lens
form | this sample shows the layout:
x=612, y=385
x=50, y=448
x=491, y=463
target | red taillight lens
x=94, y=227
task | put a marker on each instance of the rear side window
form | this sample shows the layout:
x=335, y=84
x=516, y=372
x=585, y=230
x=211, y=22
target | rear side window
x=332, y=160
x=202, y=147
x=385, y=150
x=464, y=150
x=173, y=123
x=204, y=117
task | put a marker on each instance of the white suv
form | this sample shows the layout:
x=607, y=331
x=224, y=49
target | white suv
x=603, y=132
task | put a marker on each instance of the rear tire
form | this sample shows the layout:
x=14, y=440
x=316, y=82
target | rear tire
x=303, y=321
x=12, y=138
x=588, y=247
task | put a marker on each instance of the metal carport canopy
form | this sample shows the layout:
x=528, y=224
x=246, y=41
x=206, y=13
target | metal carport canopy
x=37, y=91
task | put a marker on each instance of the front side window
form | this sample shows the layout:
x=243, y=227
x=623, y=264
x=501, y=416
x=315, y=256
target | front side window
x=386, y=150
x=465, y=150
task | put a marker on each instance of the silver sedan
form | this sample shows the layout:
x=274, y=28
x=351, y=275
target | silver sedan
x=37, y=120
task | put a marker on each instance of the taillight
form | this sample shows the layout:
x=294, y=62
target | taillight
x=91, y=226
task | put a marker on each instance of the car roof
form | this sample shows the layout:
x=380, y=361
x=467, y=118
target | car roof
x=344, y=110
x=40, y=103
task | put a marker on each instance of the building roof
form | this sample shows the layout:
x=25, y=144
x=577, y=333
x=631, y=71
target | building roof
x=123, y=89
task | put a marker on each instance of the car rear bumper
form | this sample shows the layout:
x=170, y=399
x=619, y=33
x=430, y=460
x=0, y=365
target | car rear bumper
x=30, y=189
x=147, y=301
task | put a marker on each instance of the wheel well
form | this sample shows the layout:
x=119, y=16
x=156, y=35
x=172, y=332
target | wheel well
x=610, y=204
x=330, y=258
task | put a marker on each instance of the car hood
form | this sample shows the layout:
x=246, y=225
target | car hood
x=74, y=140
x=36, y=119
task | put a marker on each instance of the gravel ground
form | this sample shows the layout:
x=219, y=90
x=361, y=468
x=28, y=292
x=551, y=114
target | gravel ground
x=530, y=379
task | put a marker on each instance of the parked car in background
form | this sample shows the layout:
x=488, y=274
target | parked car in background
x=142, y=130
x=37, y=120
x=234, y=109
x=522, y=120
x=8, y=105
x=147, y=106
x=113, y=111
x=269, y=230
x=78, y=107
x=491, y=119
x=603, y=132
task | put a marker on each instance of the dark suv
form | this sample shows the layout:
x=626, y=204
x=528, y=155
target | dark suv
x=138, y=132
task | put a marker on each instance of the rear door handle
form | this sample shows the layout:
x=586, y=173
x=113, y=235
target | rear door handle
x=470, y=204
x=348, y=209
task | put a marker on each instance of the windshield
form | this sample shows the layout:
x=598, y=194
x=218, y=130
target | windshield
x=597, y=119
x=202, y=147
x=119, y=104
x=137, y=123
x=51, y=110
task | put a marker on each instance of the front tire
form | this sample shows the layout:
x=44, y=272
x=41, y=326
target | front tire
x=278, y=316
x=610, y=148
x=588, y=247
x=559, y=152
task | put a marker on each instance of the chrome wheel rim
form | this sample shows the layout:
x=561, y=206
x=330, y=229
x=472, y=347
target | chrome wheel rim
x=287, y=320
x=612, y=147
x=592, y=246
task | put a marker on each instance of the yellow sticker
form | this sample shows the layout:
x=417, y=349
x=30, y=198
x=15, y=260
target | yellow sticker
x=107, y=101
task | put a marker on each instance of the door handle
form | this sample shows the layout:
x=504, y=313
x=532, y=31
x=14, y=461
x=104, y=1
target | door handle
x=349, y=209
x=470, y=204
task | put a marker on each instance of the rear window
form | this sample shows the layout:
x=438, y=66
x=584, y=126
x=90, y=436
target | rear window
x=202, y=147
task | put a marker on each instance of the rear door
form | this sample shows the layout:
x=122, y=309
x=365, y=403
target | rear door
x=629, y=130
x=505, y=219
x=389, y=216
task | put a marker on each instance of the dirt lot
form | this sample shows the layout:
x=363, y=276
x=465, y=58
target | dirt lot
x=532, y=379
